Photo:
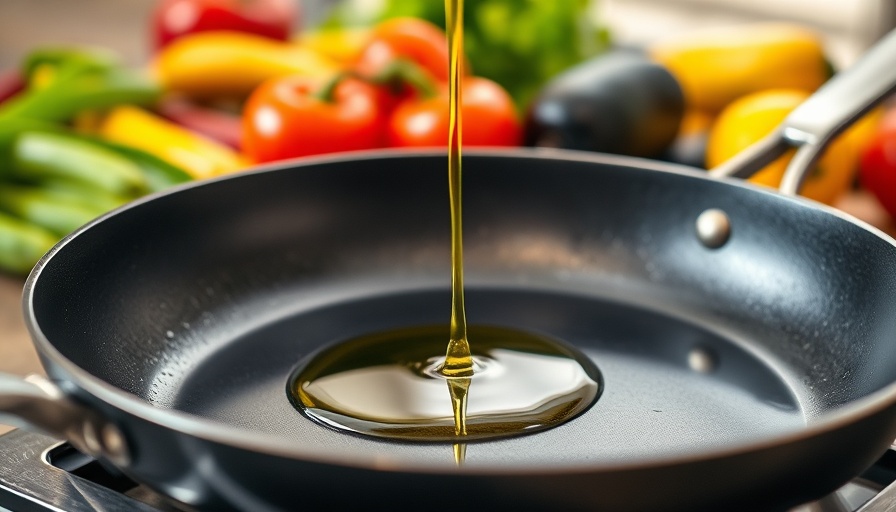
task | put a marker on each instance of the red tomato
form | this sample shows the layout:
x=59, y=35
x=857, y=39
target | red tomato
x=877, y=170
x=270, y=18
x=410, y=38
x=283, y=118
x=489, y=118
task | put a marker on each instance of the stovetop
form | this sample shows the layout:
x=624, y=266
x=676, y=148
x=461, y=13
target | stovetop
x=39, y=473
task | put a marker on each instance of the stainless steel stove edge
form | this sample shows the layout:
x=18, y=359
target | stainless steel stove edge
x=29, y=483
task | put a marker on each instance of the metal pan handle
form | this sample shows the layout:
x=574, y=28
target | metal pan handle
x=35, y=402
x=810, y=127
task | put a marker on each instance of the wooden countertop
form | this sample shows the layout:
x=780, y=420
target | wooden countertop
x=16, y=353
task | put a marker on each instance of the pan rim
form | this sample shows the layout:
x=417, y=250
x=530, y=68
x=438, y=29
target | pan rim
x=227, y=435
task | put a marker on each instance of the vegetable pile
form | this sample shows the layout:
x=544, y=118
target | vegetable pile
x=740, y=82
x=53, y=177
x=234, y=83
x=394, y=94
x=520, y=44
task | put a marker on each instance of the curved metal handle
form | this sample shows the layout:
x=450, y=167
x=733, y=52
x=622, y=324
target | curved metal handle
x=35, y=402
x=835, y=106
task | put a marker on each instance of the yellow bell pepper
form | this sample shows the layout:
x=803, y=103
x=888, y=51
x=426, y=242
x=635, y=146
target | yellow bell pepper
x=197, y=155
x=232, y=64
x=752, y=117
x=695, y=122
x=715, y=67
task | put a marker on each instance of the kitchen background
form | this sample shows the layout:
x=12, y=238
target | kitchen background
x=848, y=28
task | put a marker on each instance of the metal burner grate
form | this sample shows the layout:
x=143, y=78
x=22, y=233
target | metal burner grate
x=39, y=473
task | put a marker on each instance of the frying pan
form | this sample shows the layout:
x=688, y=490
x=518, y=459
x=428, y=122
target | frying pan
x=746, y=338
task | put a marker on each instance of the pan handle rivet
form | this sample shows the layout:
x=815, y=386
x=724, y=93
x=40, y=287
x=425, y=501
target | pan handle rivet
x=105, y=440
x=91, y=438
x=115, y=447
x=702, y=360
x=713, y=228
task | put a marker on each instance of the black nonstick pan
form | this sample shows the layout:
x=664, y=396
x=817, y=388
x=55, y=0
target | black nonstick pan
x=747, y=338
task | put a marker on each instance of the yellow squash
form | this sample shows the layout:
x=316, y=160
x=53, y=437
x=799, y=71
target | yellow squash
x=715, y=67
x=750, y=118
x=343, y=45
x=232, y=64
x=197, y=155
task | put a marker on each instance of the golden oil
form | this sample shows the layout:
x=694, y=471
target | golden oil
x=392, y=384
x=389, y=384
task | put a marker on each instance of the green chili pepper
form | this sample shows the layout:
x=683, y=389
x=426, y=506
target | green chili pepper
x=79, y=193
x=9, y=132
x=22, y=244
x=159, y=174
x=66, y=56
x=42, y=155
x=37, y=207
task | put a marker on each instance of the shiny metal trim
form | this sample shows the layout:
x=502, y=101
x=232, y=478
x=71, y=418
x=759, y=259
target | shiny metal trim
x=27, y=476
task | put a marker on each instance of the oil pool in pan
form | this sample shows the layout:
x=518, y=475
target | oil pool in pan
x=393, y=384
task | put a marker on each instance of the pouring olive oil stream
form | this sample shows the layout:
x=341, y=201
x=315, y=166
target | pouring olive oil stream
x=392, y=384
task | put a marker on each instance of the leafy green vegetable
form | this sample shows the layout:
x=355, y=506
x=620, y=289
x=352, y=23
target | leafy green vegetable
x=518, y=43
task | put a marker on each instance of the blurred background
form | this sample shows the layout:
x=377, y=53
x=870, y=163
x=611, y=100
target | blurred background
x=102, y=101
x=848, y=27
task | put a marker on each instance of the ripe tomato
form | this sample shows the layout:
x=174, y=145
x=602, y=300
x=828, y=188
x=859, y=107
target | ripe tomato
x=287, y=118
x=270, y=18
x=877, y=171
x=489, y=118
x=409, y=38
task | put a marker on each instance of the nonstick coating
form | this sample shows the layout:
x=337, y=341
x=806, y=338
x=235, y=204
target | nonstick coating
x=201, y=302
